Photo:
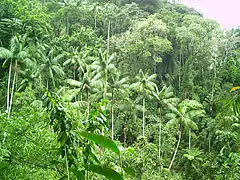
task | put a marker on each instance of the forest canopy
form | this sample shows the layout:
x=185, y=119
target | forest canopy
x=117, y=89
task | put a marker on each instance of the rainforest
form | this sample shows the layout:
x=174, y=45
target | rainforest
x=117, y=89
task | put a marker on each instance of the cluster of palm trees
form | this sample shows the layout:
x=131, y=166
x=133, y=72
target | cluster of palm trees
x=96, y=79
x=14, y=58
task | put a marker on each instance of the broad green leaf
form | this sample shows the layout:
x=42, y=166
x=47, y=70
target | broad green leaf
x=130, y=171
x=5, y=53
x=101, y=140
x=62, y=138
x=105, y=171
x=77, y=173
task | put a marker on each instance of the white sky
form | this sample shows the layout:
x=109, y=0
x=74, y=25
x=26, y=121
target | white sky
x=226, y=12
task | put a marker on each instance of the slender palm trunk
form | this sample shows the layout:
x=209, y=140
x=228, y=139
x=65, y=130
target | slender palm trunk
x=189, y=138
x=179, y=76
x=12, y=93
x=112, y=117
x=143, y=122
x=88, y=110
x=40, y=80
x=159, y=140
x=108, y=40
x=106, y=82
x=106, y=71
x=124, y=137
x=112, y=122
x=175, y=153
x=9, y=82
x=47, y=85
x=213, y=86
x=209, y=143
x=68, y=174
x=74, y=77
x=95, y=19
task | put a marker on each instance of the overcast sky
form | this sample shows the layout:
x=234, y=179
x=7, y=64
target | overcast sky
x=226, y=12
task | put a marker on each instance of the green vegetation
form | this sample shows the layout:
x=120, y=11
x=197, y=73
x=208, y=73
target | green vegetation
x=117, y=90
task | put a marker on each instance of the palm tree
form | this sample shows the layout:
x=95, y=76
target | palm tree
x=17, y=55
x=102, y=69
x=118, y=84
x=75, y=60
x=145, y=86
x=86, y=84
x=51, y=66
x=183, y=117
x=165, y=98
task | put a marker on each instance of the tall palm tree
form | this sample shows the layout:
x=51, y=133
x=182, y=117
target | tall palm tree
x=103, y=67
x=165, y=97
x=87, y=84
x=118, y=84
x=16, y=55
x=51, y=66
x=145, y=86
x=75, y=60
x=183, y=117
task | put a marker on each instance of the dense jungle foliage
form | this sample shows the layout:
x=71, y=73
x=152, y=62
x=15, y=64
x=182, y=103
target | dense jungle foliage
x=117, y=89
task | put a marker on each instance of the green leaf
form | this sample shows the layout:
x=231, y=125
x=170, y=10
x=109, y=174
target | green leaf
x=101, y=140
x=5, y=53
x=77, y=173
x=62, y=138
x=74, y=82
x=63, y=178
x=130, y=171
x=189, y=157
x=105, y=171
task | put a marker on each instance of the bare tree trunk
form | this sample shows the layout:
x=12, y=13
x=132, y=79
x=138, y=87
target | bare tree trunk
x=189, y=138
x=40, y=80
x=12, y=93
x=68, y=174
x=108, y=36
x=143, y=122
x=9, y=82
x=112, y=117
x=175, y=153
x=74, y=77
x=159, y=140
x=106, y=71
x=124, y=137
x=112, y=122
x=89, y=104
x=95, y=19
x=179, y=76
x=88, y=110
x=47, y=84
x=209, y=143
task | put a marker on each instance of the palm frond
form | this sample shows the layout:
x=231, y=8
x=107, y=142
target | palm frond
x=5, y=53
x=73, y=82
x=58, y=70
x=22, y=55
x=56, y=59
